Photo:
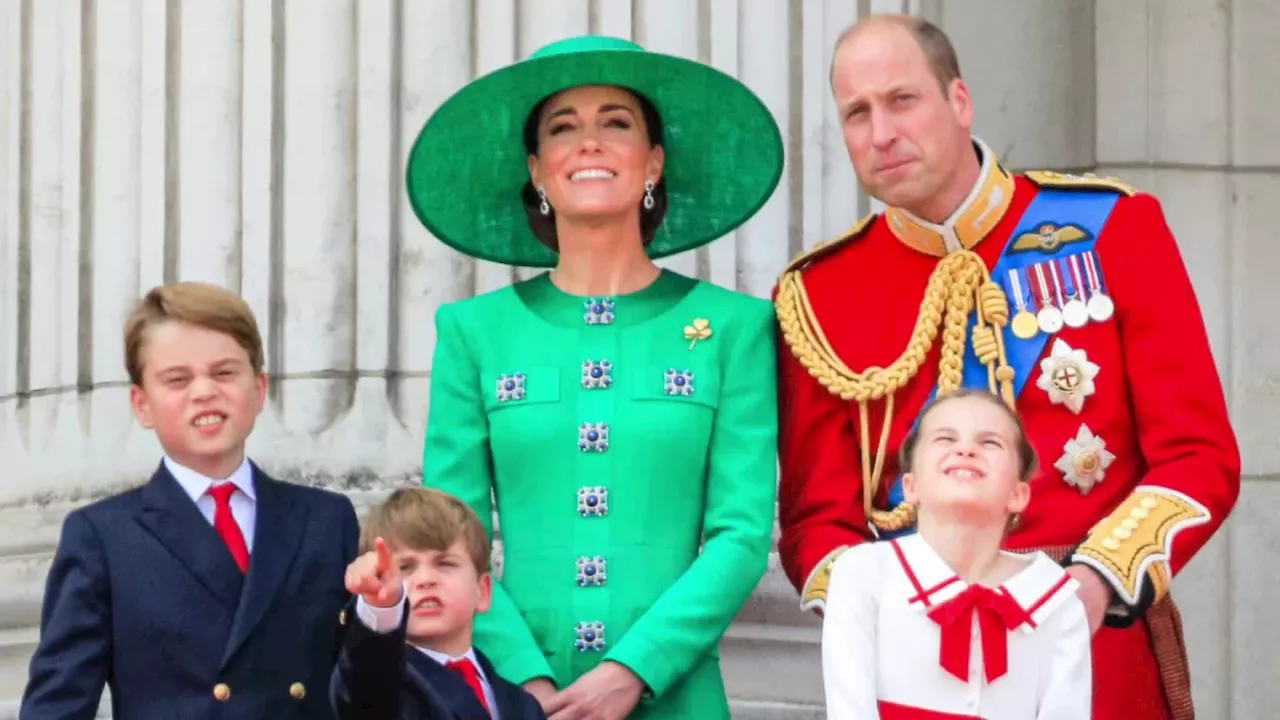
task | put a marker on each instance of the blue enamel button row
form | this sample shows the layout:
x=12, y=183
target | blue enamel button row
x=593, y=501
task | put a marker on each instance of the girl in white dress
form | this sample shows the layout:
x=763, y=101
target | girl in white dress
x=942, y=624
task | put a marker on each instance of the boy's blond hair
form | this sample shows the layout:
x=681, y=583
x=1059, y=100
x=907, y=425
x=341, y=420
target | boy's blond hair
x=419, y=518
x=201, y=304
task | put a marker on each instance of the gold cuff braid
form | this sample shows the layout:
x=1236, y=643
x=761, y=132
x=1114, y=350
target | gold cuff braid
x=1134, y=542
x=814, y=593
x=958, y=283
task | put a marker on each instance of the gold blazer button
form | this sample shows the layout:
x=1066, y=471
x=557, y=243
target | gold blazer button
x=221, y=692
x=298, y=691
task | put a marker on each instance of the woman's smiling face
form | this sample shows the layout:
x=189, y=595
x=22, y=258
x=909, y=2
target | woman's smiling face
x=594, y=154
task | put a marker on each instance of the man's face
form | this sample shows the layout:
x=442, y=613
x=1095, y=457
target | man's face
x=906, y=138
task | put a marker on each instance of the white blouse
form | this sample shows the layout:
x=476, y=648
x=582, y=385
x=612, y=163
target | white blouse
x=894, y=648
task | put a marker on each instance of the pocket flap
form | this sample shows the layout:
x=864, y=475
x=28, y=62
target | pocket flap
x=508, y=388
x=678, y=384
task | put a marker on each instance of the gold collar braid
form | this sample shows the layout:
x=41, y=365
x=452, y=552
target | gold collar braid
x=958, y=282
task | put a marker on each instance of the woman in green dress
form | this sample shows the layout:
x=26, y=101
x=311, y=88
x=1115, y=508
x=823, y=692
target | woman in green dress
x=621, y=416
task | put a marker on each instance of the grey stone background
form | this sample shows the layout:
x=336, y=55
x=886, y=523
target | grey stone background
x=259, y=144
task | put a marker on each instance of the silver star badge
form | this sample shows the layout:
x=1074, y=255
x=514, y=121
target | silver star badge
x=1067, y=376
x=1084, y=460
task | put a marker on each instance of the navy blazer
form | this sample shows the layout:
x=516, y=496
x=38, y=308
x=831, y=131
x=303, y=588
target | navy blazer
x=379, y=677
x=144, y=597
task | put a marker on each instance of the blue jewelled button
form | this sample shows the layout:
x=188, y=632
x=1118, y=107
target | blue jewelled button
x=678, y=382
x=593, y=437
x=593, y=501
x=597, y=375
x=591, y=571
x=599, y=311
x=590, y=636
x=510, y=387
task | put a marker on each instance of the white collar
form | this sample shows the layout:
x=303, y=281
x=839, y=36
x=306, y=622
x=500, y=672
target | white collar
x=195, y=484
x=1040, y=588
x=445, y=658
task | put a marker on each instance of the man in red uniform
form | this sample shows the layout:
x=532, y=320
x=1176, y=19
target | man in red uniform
x=1065, y=295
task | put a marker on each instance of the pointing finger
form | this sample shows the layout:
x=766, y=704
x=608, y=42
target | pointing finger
x=384, y=556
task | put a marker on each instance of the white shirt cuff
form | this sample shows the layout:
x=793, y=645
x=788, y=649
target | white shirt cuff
x=381, y=619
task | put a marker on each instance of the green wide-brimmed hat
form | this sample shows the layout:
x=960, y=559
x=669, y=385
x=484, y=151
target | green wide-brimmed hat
x=722, y=160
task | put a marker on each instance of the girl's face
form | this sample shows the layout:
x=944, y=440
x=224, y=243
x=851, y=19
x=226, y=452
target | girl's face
x=966, y=462
x=594, y=154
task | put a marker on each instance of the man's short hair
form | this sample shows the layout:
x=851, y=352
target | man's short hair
x=934, y=43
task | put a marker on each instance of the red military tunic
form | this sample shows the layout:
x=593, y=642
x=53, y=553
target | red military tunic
x=1138, y=462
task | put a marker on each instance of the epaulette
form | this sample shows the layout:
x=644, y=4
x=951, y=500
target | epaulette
x=1087, y=181
x=827, y=246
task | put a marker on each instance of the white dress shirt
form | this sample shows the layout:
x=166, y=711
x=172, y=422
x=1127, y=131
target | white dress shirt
x=387, y=619
x=879, y=643
x=244, y=504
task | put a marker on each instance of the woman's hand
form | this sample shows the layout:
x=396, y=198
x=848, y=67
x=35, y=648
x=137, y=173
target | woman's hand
x=542, y=690
x=608, y=692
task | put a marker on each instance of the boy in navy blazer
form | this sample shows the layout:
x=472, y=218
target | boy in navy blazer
x=212, y=591
x=422, y=578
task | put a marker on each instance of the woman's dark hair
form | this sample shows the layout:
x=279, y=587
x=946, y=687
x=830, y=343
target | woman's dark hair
x=544, y=226
x=1027, y=462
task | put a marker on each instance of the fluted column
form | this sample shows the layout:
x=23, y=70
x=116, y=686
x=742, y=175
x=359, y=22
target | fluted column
x=260, y=145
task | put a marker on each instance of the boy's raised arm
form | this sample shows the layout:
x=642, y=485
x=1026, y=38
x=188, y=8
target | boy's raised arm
x=368, y=678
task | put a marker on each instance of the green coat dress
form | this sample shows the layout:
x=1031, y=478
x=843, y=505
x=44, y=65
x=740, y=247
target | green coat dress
x=630, y=447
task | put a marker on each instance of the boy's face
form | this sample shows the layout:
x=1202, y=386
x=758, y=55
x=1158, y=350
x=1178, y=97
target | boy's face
x=444, y=595
x=200, y=395
x=966, y=463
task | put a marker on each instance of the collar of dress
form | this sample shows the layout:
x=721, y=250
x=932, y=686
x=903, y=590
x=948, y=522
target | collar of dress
x=1040, y=588
x=977, y=216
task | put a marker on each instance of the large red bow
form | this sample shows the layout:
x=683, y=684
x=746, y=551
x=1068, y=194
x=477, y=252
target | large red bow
x=997, y=612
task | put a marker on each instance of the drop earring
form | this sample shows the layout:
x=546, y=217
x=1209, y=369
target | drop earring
x=543, y=208
x=648, y=194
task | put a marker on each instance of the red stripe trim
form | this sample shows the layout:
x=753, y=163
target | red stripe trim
x=1062, y=582
x=926, y=594
x=1005, y=591
x=906, y=568
x=921, y=595
x=894, y=711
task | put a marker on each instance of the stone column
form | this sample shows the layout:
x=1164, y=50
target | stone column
x=261, y=145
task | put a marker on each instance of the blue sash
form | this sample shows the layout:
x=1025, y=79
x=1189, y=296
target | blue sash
x=1086, y=211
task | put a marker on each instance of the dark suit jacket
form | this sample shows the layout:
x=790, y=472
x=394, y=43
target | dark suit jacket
x=144, y=596
x=379, y=677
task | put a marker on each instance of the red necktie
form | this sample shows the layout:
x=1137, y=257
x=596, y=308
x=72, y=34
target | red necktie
x=997, y=612
x=225, y=523
x=467, y=670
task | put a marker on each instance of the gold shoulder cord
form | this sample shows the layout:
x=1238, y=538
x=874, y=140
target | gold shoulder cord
x=959, y=281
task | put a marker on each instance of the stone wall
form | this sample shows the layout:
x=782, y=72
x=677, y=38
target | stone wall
x=259, y=144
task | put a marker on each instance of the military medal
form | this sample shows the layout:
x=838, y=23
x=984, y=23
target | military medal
x=1100, y=306
x=1074, y=313
x=1024, y=322
x=1050, y=317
